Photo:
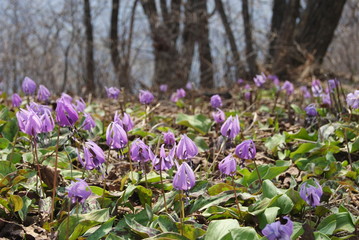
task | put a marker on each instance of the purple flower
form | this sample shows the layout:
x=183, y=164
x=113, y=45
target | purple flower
x=246, y=150
x=326, y=97
x=216, y=101
x=16, y=100
x=112, y=92
x=126, y=122
x=28, y=86
x=311, y=110
x=353, y=99
x=140, y=152
x=259, y=80
x=29, y=122
x=66, y=97
x=275, y=81
x=228, y=165
x=333, y=84
x=116, y=136
x=305, y=92
x=240, y=81
x=88, y=123
x=80, y=105
x=79, y=191
x=169, y=138
x=189, y=86
x=47, y=122
x=163, y=87
x=38, y=108
x=165, y=161
x=94, y=156
x=288, y=87
x=181, y=93
x=311, y=194
x=218, y=116
x=230, y=127
x=247, y=93
x=279, y=230
x=146, y=97
x=184, y=178
x=66, y=115
x=43, y=94
x=186, y=148
x=316, y=88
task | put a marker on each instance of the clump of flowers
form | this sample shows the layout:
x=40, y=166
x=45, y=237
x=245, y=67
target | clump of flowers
x=79, y=191
x=163, y=87
x=311, y=110
x=184, y=178
x=16, y=100
x=259, y=80
x=316, y=88
x=353, y=99
x=279, y=230
x=94, y=156
x=311, y=194
x=218, y=116
x=146, y=97
x=28, y=86
x=112, y=92
x=288, y=87
x=186, y=148
x=216, y=101
x=43, y=94
x=230, y=127
x=228, y=165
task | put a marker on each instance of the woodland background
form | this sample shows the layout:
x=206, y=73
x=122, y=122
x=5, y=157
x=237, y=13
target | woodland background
x=80, y=46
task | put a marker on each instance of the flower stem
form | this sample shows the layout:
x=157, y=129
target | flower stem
x=213, y=166
x=182, y=214
x=236, y=198
x=259, y=176
x=163, y=190
x=55, y=175
x=37, y=163
x=104, y=179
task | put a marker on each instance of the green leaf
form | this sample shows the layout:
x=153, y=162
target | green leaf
x=320, y=236
x=6, y=168
x=268, y=216
x=145, y=195
x=16, y=202
x=26, y=204
x=219, y=188
x=219, y=228
x=199, y=123
x=335, y=222
x=276, y=142
x=14, y=157
x=140, y=229
x=67, y=227
x=81, y=228
x=112, y=236
x=269, y=189
x=167, y=224
x=4, y=143
x=241, y=233
x=100, y=216
x=10, y=129
x=103, y=230
x=168, y=236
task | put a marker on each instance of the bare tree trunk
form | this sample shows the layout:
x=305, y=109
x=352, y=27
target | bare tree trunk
x=232, y=42
x=164, y=37
x=90, y=81
x=206, y=64
x=251, y=55
x=279, y=8
x=285, y=44
x=316, y=28
x=189, y=39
